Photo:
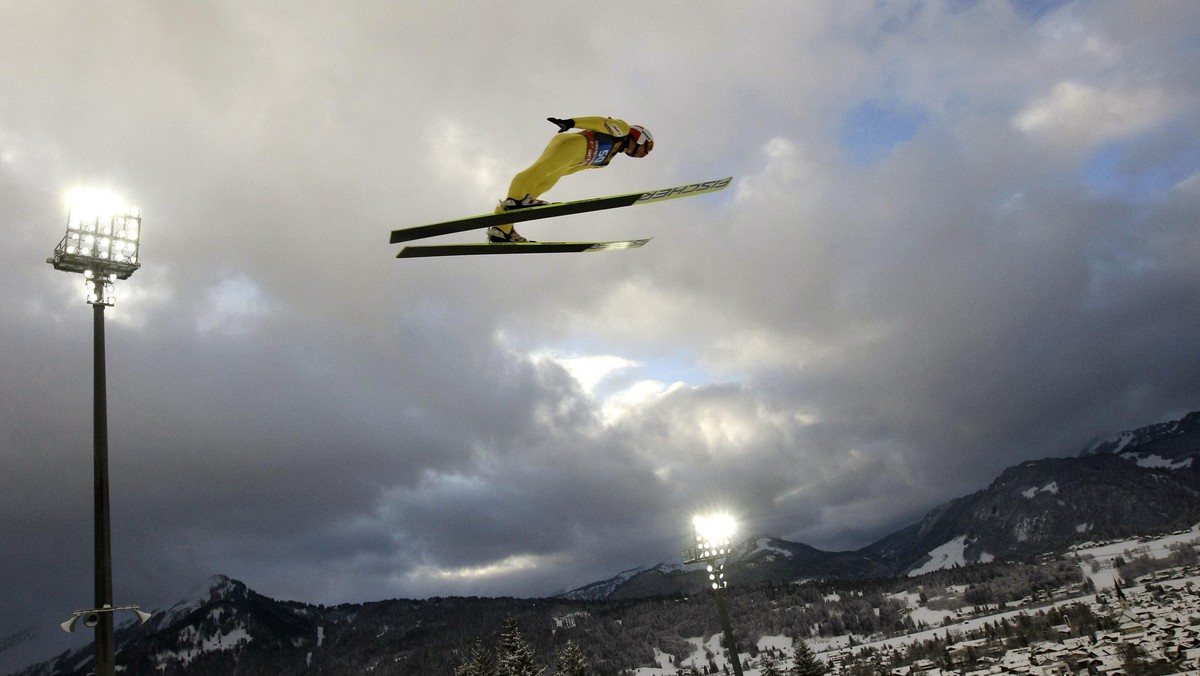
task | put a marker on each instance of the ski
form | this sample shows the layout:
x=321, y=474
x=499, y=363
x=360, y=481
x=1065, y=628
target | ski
x=557, y=209
x=516, y=248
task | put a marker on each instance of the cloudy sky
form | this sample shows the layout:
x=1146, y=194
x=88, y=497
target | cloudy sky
x=962, y=234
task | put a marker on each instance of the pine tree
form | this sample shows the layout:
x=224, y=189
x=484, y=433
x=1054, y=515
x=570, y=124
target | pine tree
x=515, y=655
x=481, y=663
x=570, y=661
x=805, y=662
x=767, y=667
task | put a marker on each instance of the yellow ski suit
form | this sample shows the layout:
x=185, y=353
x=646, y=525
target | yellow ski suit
x=599, y=141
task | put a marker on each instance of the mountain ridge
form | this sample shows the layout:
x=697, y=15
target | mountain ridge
x=1130, y=483
x=1133, y=483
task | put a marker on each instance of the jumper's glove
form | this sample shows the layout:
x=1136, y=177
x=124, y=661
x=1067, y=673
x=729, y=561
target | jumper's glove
x=563, y=125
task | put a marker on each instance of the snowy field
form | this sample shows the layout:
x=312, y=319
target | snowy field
x=699, y=658
x=1092, y=554
x=1158, y=548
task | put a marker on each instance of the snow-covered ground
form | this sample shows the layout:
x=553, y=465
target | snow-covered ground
x=699, y=658
x=1105, y=575
x=949, y=555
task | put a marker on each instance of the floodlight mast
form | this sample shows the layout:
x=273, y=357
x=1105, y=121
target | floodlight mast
x=104, y=245
x=710, y=537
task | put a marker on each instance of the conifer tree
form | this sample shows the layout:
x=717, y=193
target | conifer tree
x=570, y=661
x=481, y=663
x=767, y=666
x=515, y=655
x=806, y=663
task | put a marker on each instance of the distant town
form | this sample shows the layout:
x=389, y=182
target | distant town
x=1136, y=612
x=1150, y=628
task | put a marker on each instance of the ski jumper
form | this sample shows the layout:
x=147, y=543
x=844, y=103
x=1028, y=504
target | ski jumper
x=599, y=141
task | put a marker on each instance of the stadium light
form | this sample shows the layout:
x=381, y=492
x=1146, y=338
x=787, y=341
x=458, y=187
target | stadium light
x=711, y=534
x=103, y=242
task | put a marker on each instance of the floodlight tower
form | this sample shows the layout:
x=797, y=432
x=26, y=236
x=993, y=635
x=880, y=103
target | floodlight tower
x=102, y=242
x=710, y=538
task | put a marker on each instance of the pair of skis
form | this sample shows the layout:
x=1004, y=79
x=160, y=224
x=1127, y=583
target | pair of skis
x=539, y=212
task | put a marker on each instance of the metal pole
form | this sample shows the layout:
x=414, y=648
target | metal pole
x=105, y=640
x=727, y=626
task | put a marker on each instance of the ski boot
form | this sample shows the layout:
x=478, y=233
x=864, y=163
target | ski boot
x=497, y=236
x=508, y=203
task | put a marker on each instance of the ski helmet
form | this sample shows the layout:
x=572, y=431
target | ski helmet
x=640, y=138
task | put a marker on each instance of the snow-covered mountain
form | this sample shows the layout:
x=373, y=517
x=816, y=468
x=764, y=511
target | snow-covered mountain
x=1136, y=482
x=1044, y=505
x=603, y=589
x=227, y=628
x=1141, y=481
x=1171, y=445
x=209, y=629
